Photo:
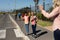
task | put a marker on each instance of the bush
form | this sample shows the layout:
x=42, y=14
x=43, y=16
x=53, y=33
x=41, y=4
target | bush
x=39, y=15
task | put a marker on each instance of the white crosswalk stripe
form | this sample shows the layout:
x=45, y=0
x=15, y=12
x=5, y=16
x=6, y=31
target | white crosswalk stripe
x=2, y=34
x=18, y=33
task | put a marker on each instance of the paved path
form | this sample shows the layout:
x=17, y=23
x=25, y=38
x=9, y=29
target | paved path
x=7, y=29
x=5, y=22
x=43, y=34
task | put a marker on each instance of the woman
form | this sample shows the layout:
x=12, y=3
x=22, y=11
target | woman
x=19, y=15
x=33, y=23
x=23, y=16
x=56, y=23
x=26, y=21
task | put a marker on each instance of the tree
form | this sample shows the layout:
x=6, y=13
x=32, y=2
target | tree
x=22, y=10
x=50, y=9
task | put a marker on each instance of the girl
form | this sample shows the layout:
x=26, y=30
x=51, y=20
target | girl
x=26, y=21
x=33, y=23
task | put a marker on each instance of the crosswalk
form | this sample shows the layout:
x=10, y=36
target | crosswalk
x=2, y=34
x=12, y=34
x=16, y=32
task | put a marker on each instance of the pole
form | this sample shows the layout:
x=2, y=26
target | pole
x=15, y=6
x=44, y=4
x=36, y=6
x=15, y=11
x=30, y=12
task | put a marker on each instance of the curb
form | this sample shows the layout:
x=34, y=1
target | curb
x=44, y=27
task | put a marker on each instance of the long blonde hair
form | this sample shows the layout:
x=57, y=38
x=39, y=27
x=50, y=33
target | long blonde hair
x=56, y=3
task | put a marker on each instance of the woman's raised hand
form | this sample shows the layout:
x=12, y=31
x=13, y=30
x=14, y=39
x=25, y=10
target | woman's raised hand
x=41, y=7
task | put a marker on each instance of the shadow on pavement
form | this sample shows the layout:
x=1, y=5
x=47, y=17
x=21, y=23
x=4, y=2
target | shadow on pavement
x=36, y=32
x=40, y=34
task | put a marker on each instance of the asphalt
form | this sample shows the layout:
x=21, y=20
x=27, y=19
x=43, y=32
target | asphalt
x=8, y=26
x=5, y=22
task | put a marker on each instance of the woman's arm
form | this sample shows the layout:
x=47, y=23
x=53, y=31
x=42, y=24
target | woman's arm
x=49, y=15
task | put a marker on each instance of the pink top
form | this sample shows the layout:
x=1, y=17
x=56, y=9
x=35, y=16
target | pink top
x=33, y=20
x=56, y=23
x=26, y=19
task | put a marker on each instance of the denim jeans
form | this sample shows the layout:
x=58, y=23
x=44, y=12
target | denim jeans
x=27, y=28
x=34, y=29
x=57, y=34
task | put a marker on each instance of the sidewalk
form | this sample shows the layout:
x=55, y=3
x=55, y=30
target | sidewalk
x=43, y=34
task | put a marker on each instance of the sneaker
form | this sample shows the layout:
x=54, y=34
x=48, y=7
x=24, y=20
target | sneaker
x=34, y=35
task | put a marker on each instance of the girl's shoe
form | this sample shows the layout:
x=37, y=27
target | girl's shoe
x=35, y=36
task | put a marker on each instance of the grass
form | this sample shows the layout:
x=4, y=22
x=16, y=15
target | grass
x=1, y=13
x=44, y=23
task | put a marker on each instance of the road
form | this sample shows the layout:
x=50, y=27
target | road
x=42, y=33
x=7, y=28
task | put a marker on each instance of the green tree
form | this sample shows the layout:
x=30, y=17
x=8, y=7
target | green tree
x=50, y=9
x=22, y=10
